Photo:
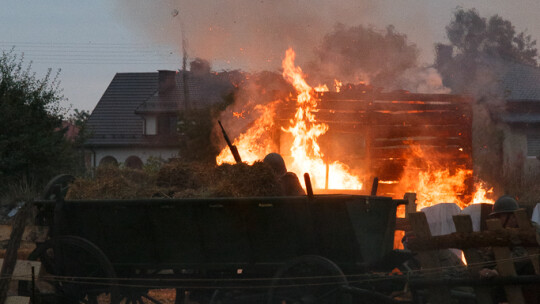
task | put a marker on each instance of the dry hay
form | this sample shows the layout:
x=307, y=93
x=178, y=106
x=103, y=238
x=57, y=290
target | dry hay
x=111, y=182
x=178, y=179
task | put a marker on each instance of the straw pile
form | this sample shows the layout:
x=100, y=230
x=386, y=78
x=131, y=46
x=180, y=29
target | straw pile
x=178, y=179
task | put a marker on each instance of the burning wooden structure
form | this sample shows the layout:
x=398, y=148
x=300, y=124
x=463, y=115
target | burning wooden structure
x=376, y=133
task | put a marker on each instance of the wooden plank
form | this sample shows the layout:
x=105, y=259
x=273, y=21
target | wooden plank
x=505, y=265
x=428, y=259
x=17, y=300
x=461, y=240
x=403, y=224
x=429, y=141
x=23, y=269
x=411, y=206
x=31, y=233
x=368, y=94
x=463, y=223
x=11, y=252
x=524, y=223
x=448, y=152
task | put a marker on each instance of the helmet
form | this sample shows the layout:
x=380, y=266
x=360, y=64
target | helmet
x=276, y=162
x=504, y=204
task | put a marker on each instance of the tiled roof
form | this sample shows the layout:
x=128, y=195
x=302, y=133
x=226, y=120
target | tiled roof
x=113, y=121
x=203, y=90
x=117, y=121
x=521, y=82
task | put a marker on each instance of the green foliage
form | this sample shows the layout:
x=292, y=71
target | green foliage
x=32, y=143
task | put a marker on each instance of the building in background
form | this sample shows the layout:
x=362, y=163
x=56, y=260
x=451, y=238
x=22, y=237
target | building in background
x=136, y=118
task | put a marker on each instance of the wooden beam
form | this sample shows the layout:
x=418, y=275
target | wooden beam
x=460, y=240
x=30, y=234
x=463, y=224
x=429, y=259
x=17, y=300
x=11, y=252
x=23, y=269
x=524, y=223
x=505, y=265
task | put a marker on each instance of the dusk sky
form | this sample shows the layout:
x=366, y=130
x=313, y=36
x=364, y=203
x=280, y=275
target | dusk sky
x=90, y=41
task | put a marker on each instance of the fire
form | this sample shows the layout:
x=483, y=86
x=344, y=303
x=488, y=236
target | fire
x=239, y=114
x=321, y=88
x=256, y=142
x=305, y=150
x=441, y=186
x=479, y=196
x=435, y=184
x=338, y=84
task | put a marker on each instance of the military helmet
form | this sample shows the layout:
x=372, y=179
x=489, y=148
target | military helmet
x=276, y=162
x=504, y=204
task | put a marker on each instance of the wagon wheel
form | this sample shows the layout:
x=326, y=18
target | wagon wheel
x=62, y=180
x=73, y=271
x=307, y=279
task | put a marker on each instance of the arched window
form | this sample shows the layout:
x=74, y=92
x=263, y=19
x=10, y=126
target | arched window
x=134, y=162
x=108, y=160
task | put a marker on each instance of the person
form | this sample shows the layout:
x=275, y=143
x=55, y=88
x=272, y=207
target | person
x=503, y=209
x=290, y=185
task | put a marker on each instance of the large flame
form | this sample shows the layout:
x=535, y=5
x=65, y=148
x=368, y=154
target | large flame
x=256, y=142
x=305, y=130
x=433, y=182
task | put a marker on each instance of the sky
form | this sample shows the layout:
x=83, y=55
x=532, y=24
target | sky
x=91, y=41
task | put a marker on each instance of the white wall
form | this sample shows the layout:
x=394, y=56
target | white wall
x=515, y=153
x=150, y=125
x=121, y=154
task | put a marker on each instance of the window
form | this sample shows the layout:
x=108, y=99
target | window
x=108, y=161
x=167, y=125
x=134, y=162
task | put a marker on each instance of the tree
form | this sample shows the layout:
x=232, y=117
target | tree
x=32, y=143
x=473, y=40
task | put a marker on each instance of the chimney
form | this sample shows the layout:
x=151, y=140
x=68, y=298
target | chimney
x=167, y=80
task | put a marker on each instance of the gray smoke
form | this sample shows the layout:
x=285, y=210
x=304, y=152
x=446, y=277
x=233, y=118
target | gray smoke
x=251, y=35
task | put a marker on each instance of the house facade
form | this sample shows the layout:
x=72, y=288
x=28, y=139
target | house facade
x=137, y=116
x=521, y=121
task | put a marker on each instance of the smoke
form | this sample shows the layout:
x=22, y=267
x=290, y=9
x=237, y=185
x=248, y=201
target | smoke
x=251, y=35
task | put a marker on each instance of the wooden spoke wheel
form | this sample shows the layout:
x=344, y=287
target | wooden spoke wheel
x=74, y=270
x=308, y=280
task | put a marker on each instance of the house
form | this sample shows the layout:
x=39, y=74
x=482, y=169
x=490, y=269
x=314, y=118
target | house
x=521, y=120
x=136, y=117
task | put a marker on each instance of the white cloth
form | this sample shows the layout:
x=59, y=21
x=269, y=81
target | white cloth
x=439, y=218
x=475, y=212
x=536, y=214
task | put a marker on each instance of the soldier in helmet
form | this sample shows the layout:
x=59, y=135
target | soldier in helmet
x=503, y=209
x=290, y=185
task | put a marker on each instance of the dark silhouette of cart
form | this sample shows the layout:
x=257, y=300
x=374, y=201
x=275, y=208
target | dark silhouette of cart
x=217, y=250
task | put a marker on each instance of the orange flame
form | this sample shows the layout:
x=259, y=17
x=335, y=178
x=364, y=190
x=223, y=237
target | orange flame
x=305, y=150
x=321, y=88
x=338, y=84
x=479, y=196
x=256, y=142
